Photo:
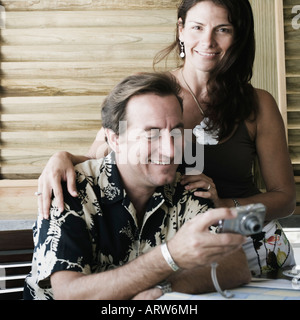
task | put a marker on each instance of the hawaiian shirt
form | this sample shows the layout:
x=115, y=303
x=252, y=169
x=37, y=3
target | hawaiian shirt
x=98, y=230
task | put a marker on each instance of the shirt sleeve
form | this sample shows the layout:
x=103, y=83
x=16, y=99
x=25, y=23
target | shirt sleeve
x=63, y=242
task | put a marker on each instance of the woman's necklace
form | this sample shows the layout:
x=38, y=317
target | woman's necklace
x=203, y=136
x=192, y=93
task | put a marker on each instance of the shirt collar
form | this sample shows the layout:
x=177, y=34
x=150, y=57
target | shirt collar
x=114, y=190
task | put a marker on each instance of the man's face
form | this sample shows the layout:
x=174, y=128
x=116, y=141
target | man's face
x=152, y=146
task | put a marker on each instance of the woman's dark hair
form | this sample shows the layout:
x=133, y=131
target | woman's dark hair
x=231, y=97
x=114, y=106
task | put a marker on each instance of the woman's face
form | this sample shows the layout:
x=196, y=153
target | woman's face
x=207, y=35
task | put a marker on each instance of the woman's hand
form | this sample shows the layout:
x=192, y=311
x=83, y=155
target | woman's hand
x=59, y=168
x=201, y=181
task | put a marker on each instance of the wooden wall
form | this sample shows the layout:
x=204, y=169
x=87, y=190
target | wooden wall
x=59, y=59
x=292, y=61
x=58, y=65
x=265, y=67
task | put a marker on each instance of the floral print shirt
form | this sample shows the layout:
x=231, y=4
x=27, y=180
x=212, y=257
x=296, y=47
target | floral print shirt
x=98, y=230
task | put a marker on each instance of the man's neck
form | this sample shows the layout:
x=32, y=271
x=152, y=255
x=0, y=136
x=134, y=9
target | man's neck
x=139, y=199
x=138, y=195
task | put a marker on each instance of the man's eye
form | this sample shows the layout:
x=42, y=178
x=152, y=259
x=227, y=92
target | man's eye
x=152, y=135
x=177, y=133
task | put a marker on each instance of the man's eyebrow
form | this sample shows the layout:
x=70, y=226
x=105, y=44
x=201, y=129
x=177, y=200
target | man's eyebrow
x=180, y=125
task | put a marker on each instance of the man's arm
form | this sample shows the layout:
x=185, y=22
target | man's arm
x=121, y=283
x=232, y=272
x=150, y=268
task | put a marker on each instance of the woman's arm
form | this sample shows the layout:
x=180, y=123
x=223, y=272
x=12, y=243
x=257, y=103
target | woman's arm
x=60, y=167
x=99, y=148
x=269, y=134
x=274, y=160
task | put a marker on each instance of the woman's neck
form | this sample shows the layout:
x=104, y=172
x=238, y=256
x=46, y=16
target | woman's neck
x=196, y=80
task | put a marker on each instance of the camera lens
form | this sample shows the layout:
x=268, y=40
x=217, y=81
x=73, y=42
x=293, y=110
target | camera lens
x=252, y=225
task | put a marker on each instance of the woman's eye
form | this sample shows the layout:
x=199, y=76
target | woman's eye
x=225, y=30
x=197, y=27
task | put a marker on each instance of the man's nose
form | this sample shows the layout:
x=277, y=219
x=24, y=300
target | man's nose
x=166, y=144
x=171, y=145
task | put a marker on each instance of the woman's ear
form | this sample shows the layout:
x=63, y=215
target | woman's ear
x=112, y=139
x=180, y=29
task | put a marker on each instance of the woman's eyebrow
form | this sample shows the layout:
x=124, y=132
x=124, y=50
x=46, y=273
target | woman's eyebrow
x=218, y=26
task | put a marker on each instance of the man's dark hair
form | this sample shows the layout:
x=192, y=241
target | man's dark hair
x=114, y=106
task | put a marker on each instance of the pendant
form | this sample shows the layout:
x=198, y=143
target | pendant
x=205, y=137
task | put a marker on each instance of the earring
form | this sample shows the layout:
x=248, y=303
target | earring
x=182, y=53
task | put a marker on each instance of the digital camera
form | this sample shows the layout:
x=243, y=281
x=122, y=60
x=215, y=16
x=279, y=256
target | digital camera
x=249, y=220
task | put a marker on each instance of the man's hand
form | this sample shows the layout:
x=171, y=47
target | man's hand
x=195, y=246
x=150, y=294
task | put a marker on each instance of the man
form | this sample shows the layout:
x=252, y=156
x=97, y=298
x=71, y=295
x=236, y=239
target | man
x=133, y=225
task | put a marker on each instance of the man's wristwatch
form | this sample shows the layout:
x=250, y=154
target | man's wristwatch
x=164, y=286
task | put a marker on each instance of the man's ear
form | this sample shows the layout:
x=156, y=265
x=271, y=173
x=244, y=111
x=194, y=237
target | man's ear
x=112, y=139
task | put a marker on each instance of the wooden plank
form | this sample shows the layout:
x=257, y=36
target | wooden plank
x=46, y=125
x=42, y=140
x=294, y=138
x=88, y=52
x=293, y=102
x=293, y=67
x=291, y=33
x=292, y=50
x=291, y=3
x=41, y=105
x=46, y=120
x=84, y=36
x=293, y=85
x=281, y=67
x=86, y=19
x=288, y=14
x=28, y=119
x=76, y=69
x=295, y=154
x=57, y=87
x=265, y=66
x=294, y=119
x=23, y=5
x=18, y=201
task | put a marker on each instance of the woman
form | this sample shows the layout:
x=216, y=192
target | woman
x=215, y=40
